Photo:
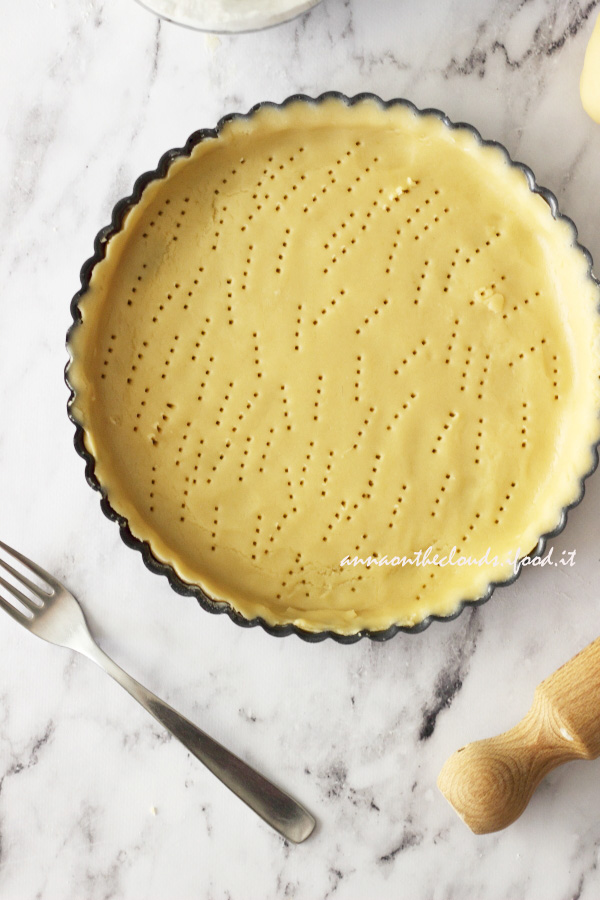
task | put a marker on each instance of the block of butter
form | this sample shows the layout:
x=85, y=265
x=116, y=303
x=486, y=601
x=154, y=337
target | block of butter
x=589, y=85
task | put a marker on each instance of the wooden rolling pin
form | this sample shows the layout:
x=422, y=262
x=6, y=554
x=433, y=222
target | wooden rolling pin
x=489, y=783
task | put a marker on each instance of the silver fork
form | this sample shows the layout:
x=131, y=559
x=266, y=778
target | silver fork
x=52, y=613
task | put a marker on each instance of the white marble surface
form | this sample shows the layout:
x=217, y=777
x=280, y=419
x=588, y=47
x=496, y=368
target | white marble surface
x=91, y=93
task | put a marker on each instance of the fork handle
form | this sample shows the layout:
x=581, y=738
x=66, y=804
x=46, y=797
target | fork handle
x=279, y=810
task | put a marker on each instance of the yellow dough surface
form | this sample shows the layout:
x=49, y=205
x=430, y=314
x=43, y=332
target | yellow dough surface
x=339, y=331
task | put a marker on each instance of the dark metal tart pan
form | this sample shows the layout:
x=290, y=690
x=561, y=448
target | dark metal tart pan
x=150, y=560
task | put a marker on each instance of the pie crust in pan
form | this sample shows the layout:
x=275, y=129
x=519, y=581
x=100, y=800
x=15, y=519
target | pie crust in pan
x=329, y=329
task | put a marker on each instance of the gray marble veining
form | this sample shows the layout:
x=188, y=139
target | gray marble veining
x=95, y=801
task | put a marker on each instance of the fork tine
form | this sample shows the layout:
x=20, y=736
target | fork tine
x=33, y=567
x=17, y=615
x=22, y=598
x=24, y=580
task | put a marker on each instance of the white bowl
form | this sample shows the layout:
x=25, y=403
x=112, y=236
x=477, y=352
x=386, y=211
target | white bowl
x=228, y=15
